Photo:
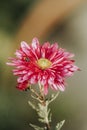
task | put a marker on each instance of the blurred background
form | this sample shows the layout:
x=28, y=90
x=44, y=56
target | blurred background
x=62, y=21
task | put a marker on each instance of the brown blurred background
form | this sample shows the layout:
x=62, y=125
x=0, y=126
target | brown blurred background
x=62, y=21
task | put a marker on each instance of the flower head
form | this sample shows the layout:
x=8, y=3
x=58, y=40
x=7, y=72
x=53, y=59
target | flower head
x=47, y=64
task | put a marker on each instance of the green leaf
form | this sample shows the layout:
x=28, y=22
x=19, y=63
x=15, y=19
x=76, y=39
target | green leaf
x=59, y=125
x=53, y=97
x=36, y=127
x=32, y=105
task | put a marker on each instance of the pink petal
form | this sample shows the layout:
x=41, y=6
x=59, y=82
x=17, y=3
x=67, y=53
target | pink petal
x=35, y=43
x=46, y=89
x=25, y=47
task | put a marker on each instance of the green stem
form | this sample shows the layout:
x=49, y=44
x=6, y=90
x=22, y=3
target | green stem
x=41, y=89
x=42, y=108
x=47, y=127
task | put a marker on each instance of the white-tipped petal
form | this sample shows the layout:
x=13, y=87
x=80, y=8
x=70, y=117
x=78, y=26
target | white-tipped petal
x=35, y=43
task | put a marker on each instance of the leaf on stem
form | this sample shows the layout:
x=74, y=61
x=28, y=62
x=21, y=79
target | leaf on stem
x=36, y=127
x=32, y=105
x=53, y=97
x=59, y=125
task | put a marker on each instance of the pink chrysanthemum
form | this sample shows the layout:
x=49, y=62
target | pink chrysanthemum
x=46, y=64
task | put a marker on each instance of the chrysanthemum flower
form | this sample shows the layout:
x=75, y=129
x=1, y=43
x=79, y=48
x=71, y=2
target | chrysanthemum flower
x=46, y=64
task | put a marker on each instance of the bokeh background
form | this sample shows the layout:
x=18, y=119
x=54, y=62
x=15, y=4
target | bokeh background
x=62, y=21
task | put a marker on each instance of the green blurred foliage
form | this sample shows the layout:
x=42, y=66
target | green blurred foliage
x=14, y=110
x=12, y=12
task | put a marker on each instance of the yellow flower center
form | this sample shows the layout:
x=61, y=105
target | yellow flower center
x=44, y=63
